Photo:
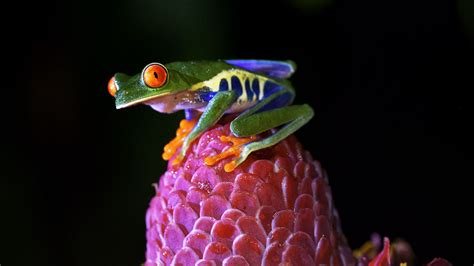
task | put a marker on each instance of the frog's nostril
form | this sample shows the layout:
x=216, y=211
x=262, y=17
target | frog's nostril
x=112, y=87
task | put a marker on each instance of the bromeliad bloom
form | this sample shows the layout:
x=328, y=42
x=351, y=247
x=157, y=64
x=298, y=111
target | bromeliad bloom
x=274, y=208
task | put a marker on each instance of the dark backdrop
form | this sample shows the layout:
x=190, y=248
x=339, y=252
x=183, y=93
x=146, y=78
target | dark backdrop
x=389, y=81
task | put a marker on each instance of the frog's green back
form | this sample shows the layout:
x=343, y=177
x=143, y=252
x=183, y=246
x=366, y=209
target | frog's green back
x=199, y=71
x=205, y=70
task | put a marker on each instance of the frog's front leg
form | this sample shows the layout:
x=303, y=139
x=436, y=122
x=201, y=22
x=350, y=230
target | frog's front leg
x=215, y=109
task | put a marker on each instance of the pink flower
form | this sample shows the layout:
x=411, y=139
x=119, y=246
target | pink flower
x=276, y=207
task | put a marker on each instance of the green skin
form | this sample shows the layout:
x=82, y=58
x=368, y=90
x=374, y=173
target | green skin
x=188, y=80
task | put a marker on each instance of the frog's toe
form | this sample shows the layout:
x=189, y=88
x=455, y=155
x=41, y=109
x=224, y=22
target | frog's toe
x=238, y=149
x=185, y=127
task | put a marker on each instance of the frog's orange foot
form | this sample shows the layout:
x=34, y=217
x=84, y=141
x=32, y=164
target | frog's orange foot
x=235, y=150
x=185, y=127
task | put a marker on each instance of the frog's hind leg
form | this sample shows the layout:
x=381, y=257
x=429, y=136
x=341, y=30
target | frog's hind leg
x=294, y=116
x=269, y=113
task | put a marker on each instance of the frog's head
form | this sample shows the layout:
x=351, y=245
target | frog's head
x=153, y=82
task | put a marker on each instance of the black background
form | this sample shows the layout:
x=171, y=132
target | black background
x=389, y=81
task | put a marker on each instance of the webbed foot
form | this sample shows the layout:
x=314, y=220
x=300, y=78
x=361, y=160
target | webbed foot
x=236, y=149
x=185, y=127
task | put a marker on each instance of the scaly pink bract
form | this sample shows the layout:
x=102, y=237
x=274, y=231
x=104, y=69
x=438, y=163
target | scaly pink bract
x=274, y=208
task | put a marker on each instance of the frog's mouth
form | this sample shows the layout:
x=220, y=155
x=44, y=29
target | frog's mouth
x=145, y=100
x=170, y=103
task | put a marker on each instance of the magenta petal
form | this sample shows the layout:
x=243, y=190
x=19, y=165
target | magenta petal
x=205, y=224
x=166, y=255
x=225, y=231
x=216, y=251
x=304, y=201
x=224, y=189
x=244, y=201
x=296, y=255
x=250, y=226
x=214, y=206
x=278, y=236
x=265, y=217
x=185, y=216
x=321, y=229
x=205, y=263
x=305, y=221
x=249, y=248
x=246, y=182
x=272, y=255
x=185, y=256
x=284, y=218
x=235, y=260
x=232, y=214
x=205, y=178
x=289, y=189
x=198, y=241
x=323, y=251
x=303, y=240
x=174, y=237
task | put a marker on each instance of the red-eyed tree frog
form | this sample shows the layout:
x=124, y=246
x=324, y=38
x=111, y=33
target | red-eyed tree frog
x=257, y=90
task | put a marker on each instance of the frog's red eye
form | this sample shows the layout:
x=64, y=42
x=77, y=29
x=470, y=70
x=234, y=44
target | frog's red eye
x=155, y=75
x=112, y=87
